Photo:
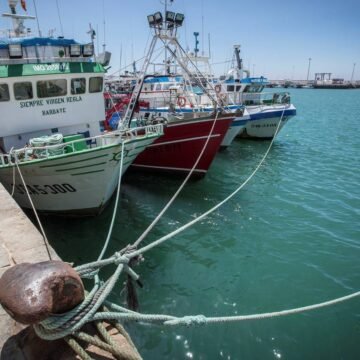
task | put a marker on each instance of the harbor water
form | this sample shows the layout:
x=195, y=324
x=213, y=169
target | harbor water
x=290, y=238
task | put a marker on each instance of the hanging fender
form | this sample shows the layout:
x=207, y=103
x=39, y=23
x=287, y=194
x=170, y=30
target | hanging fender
x=217, y=88
x=222, y=97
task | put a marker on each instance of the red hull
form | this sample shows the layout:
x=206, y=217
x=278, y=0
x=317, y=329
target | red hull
x=178, y=149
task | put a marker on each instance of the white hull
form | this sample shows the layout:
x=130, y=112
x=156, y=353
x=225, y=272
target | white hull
x=265, y=119
x=235, y=129
x=78, y=183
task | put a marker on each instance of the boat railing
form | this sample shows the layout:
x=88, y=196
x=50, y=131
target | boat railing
x=259, y=99
x=43, y=60
x=30, y=153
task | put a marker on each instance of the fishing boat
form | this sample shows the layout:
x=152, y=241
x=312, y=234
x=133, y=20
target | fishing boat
x=175, y=94
x=190, y=133
x=266, y=110
x=52, y=148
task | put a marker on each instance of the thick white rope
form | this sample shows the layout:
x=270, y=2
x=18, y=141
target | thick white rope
x=14, y=181
x=46, y=242
x=116, y=203
x=185, y=320
x=161, y=213
x=200, y=217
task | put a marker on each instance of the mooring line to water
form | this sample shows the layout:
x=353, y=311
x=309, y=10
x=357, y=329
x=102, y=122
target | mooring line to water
x=177, y=192
x=208, y=212
x=46, y=241
x=106, y=244
x=129, y=252
x=203, y=320
x=14, y=181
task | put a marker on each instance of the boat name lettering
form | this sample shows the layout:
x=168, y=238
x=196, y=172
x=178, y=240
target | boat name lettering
x=54, y=111
x=31, y=103
x=50, y=67
x=45, y=189
x=60, y=100
x=74, y=98
x=55, y=101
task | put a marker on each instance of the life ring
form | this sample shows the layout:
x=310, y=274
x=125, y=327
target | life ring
x=217, y=88
x=181, y=101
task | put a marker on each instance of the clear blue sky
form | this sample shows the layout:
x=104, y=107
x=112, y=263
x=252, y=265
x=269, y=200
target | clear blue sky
x=277, y=36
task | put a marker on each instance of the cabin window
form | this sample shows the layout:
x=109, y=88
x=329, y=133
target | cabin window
x=96, y=84
x=238, y=88
x=4, y=92
x=23, y=90
x=230, y=88
x=78, y=86
x=51, y=88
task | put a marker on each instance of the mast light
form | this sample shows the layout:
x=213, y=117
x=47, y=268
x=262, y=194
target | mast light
x=15, y=51
x=88, y=49
x=170, y=16
x=158, y=18
x=151, y=20
x=179, y=19
x=75, y=50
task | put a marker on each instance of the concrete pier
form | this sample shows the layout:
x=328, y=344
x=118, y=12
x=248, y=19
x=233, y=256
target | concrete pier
x=21, y=242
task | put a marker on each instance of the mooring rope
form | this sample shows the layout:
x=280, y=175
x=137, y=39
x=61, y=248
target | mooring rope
x=46, y=241
x=14, y=181
x=56, y=327
x=177, y=192
x=131, y=252
x=106, y=244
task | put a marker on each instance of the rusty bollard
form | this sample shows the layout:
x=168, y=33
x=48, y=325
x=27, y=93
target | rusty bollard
x=29, y=293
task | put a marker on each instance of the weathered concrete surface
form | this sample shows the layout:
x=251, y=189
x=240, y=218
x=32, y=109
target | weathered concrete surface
x=20, y=241
x=27, y=346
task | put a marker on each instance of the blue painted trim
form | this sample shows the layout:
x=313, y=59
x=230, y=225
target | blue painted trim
x=272, y=114
x=239, y=122
x=187, y=110
x=164, y=79
x=33, y=41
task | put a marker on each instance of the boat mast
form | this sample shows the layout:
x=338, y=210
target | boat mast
x=165, y=30
x=18, y=20
x=166, y=61
x=239, y=62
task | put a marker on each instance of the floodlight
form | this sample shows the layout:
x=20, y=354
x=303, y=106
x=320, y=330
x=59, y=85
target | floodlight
x=15, y=51
x=170, y=16
x=75, y=50
x=151, y=20
x=88, y=50
x=158, y=18
x=179, y=19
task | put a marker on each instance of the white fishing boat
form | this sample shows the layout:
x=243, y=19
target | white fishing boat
x=52, y=147
x=266, y=110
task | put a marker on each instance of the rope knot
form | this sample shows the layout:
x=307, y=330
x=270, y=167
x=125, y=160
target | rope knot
x=120, y=258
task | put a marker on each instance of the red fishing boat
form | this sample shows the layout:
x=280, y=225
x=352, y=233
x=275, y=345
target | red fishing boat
x=182, y=143
x=190, y=133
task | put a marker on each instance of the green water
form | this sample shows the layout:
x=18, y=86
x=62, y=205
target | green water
x=290, y=238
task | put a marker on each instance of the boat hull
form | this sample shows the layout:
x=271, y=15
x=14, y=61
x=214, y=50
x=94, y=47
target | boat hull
x=236, y=128
x=74, y=184
x=178, y=149
x=265, y=119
